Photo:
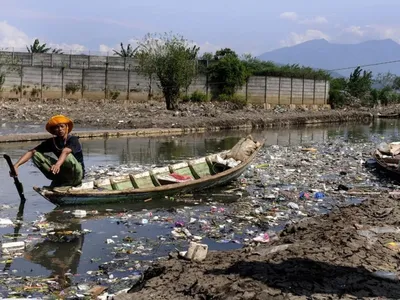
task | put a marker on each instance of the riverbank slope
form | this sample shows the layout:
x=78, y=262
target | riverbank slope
x=343, y=255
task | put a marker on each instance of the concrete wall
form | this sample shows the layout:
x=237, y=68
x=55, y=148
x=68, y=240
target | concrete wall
x=95, y=77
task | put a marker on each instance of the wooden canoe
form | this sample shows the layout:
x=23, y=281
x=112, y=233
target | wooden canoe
x=389, y=116
x=183, y=177
x=389, y=165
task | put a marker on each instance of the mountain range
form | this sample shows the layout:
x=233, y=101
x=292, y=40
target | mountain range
x=321, y=54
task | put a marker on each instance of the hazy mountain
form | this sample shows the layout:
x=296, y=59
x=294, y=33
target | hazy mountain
x=325, y=55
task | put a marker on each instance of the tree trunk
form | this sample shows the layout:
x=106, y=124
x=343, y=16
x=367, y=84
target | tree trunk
x=171, y=102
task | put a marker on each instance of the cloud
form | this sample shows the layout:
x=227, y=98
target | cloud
x=289, y=15
x=315, y=20
x=11, y=38
x=356, y=34
x=296, y=38
x=208, y=47
x=294, y=17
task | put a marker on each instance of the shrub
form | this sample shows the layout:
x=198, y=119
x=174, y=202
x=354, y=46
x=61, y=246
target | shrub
x=185, y=98
x=239, y=101
x=72, y=88
x=336, y=98
x=114, y=94
x=35, y=92
x=198, y=96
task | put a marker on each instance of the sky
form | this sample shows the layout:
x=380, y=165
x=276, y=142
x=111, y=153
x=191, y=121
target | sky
x=252, y=26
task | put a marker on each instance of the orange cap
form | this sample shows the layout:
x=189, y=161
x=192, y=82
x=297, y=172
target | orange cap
x=59, y=119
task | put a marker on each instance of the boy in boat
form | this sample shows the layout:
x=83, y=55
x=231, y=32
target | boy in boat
x=69, y=168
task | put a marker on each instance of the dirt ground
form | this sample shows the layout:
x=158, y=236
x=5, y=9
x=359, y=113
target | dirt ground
x=129, y=115
x=325, y=257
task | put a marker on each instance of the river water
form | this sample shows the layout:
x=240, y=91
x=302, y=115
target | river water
x=86, y=253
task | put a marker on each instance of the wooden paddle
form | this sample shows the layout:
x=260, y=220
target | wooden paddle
x=21, y=207
x=13, y=173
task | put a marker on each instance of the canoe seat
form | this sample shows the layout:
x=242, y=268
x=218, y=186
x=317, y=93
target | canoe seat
x=103, y=184
x=121, y=183
x=142, y=180
x=199, y=167
x=181, y=169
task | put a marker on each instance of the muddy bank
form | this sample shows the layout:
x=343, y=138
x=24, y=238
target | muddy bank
x=129, y=115
x=343, y=255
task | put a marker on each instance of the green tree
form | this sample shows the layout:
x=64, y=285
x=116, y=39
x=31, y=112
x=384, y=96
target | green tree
x=128, y=52
x=36, y=47
x=396, y=83
x=359, y=84
x=386, y=79
x=173, y=60
x=227, y=72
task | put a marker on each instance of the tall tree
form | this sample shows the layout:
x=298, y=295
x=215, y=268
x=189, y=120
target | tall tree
x=36, y=47
x=227, y=73
x=359, y=84
x=128, y=52
x=173, y=61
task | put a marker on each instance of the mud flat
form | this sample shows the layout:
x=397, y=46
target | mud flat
x=350, y=253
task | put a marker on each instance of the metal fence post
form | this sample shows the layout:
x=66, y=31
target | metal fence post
x=41, y=82
x=279, y=91
x=21, y=81
x=314, y=91
x=291, y=90
x=106, y=81
x=129, y=83
x=302, y=93
x=265, y=89
x=62, y=82
x=83, y=80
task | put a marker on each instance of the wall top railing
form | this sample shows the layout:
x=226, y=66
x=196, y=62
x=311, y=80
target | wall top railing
x=81, y=61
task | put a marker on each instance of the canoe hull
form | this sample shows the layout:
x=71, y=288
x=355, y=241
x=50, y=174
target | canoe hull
x=64, y=198
x=391, y=172
x=60, y=199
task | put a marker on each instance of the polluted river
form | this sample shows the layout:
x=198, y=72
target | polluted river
x=299, y=172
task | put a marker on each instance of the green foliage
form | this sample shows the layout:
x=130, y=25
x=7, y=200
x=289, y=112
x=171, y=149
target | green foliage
x=128, y=52
x=258, y=67
x=239, y=101
x=72, y=88
x=35, y=92
x=198, y=96
x=359, y=84
x=113, y=94
x=396, y=83
x=173, y=62
x=36, y=47
x=227, y=73
x=337, y=98
x=185, y=98
x=338, y=84
x=57, y=51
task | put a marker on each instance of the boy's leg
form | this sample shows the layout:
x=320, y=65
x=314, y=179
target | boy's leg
x=44, y=163
x=71, y=172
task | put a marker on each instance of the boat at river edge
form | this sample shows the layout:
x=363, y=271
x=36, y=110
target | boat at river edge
x=188, y=176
